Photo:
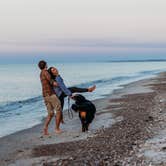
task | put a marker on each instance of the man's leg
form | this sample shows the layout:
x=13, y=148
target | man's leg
x=49, y=116
x=58, y=121
x=47, y=122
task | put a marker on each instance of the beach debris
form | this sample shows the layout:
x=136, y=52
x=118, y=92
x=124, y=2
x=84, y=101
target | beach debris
x=163, y=148
x=150, y=118
x=20, y=151
x=41, y=136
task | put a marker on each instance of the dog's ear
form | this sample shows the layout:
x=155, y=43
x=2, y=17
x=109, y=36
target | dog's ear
x=79, y=98
x=74, y=107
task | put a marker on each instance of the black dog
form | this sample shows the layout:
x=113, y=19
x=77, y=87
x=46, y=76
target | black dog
x=86, y=110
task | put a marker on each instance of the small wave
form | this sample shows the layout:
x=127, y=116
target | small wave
x=150, y=72
x=104, y=81
x=118, y=79
x=10, y=106
x=18, y=104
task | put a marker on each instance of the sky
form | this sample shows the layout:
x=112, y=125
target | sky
x=82, y=29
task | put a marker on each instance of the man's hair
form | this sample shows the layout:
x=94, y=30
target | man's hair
x=42, y=64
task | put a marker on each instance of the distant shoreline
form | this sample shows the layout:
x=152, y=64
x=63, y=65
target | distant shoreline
x=78, y=61
x=147, y=60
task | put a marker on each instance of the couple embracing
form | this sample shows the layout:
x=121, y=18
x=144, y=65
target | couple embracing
x=54, y=91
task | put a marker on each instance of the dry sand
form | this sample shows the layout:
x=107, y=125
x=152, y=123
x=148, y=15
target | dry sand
x=129, y=129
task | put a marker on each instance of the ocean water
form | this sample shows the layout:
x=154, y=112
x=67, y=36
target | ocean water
x=21, y=103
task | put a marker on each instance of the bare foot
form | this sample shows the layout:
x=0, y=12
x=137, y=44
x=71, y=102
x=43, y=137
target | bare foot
x=58, y=131
x=91, y=89
x=45, y=132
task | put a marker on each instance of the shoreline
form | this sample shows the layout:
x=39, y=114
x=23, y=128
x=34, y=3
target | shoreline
x=103, y=97
x=28, y=146
x=112, y=94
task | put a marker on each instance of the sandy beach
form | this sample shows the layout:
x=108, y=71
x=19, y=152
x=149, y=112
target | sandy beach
x=129, y=129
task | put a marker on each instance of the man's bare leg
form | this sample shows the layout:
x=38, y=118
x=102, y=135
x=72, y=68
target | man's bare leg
x=47, y=122
x=58, y=121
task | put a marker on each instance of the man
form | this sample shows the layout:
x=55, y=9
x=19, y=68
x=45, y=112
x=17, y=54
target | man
x=51, y=100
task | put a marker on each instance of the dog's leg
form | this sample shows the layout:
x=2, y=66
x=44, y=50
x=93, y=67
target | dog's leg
x=83, y=118
x=83, y=129
x=83, y=126
x=86, y=126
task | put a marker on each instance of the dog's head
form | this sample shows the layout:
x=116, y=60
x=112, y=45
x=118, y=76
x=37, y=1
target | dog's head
x=79, y=98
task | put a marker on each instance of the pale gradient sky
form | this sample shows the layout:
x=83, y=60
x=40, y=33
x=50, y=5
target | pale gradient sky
x=82, y=26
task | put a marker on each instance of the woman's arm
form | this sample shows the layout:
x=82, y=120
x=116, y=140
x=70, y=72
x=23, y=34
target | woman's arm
x=63, y=86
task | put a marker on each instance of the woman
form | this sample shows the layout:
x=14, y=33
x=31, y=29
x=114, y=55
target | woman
x=62, y=91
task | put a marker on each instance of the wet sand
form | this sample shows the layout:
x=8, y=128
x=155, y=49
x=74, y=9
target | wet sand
x=129, y=129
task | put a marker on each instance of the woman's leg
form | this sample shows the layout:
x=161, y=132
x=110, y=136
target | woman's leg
x=61, y=98
x=76, y=89
x=82, y=90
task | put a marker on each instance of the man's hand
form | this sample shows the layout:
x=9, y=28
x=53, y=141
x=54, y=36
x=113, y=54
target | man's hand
x=55, y=83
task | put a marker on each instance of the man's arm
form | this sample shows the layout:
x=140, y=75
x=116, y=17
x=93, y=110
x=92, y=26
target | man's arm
x=49, y=79
x=63, y=86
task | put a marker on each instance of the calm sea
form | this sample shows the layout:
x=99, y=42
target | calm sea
x=21, y=104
